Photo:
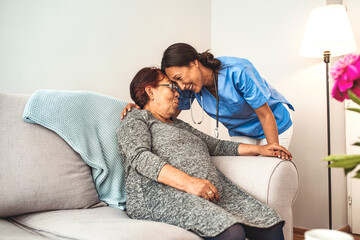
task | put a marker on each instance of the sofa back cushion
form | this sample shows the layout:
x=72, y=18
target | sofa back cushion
x=38, y=170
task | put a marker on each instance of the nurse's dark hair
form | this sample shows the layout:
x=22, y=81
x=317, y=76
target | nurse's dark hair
x=148, y=76
x=181, y=54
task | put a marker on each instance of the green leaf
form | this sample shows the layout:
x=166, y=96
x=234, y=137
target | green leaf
x=354, y=109
x=344, y=164
x=356, y=144
x=349, y=162
x=347, y=170
x=353, y=97
x=341, y=157
x=357, y=175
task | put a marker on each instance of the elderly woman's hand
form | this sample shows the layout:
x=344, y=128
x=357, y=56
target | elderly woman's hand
x=202, y=188
x=275, y=150
x=128, y=108
x=176, y=178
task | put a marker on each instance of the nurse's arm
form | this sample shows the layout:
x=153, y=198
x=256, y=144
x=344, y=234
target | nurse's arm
x=268, y=123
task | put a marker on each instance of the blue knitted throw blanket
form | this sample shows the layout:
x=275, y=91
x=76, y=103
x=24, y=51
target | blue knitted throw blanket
x=87, y=121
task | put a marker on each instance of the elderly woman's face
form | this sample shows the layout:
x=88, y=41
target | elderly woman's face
x=165, y=97
x=186, y=77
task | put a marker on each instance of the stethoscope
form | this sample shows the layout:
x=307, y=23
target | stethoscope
x=216, y=130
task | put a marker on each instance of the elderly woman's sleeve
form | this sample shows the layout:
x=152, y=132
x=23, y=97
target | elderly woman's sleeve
x=134, y=143
x=216, y=146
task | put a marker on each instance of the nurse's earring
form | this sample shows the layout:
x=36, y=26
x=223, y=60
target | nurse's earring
x=195, y=63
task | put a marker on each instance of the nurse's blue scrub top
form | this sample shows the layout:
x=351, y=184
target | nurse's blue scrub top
x=241, y=90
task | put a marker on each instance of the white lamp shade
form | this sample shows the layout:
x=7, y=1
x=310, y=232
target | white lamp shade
x=328, y=29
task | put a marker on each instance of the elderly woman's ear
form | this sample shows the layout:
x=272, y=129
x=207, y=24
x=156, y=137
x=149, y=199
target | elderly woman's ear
x=149, y=92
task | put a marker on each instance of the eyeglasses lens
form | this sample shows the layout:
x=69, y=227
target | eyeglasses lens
x=174, y=87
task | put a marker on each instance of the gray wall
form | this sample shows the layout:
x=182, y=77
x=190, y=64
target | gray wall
x=93, y=45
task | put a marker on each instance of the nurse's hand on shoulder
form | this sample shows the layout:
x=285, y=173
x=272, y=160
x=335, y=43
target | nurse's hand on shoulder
x=275, y=150
x=128, y=108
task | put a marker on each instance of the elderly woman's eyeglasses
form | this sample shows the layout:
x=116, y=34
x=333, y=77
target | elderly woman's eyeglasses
x=171, y=85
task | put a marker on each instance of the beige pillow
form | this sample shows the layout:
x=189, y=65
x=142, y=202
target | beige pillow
x=38, y=169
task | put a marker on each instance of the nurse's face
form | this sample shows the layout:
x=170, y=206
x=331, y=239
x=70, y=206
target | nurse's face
x=186, y=77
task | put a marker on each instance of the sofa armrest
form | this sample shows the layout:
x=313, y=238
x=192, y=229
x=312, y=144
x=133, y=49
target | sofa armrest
x=261, y=177
x=268, y=179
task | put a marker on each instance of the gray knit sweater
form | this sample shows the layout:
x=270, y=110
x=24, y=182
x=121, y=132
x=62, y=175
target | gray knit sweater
x=147, y=144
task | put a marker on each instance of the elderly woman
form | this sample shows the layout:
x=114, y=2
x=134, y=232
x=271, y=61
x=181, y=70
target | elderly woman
x=170, y=177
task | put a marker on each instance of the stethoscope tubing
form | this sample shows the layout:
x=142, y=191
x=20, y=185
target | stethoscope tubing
x=216, y=130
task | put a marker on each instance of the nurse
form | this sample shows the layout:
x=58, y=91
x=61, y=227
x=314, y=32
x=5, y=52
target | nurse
x=230, y=90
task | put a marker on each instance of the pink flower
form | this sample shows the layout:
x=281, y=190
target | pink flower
x=345, y=73
x=356, y=89
x=340, y=96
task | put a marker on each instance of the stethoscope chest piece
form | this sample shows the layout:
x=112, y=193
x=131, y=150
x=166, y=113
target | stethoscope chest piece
x=216, y=132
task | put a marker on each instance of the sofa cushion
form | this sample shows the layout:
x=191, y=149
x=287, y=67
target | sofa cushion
x=9, y=231
x=38, y=170
x=87, y=121
x=100, y=223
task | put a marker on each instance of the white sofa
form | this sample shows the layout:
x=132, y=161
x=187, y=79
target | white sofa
x=46, y=190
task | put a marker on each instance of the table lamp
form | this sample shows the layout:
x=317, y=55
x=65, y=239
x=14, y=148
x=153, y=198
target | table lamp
x=328, y=33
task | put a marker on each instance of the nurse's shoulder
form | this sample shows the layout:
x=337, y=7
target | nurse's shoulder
x=235, y=63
